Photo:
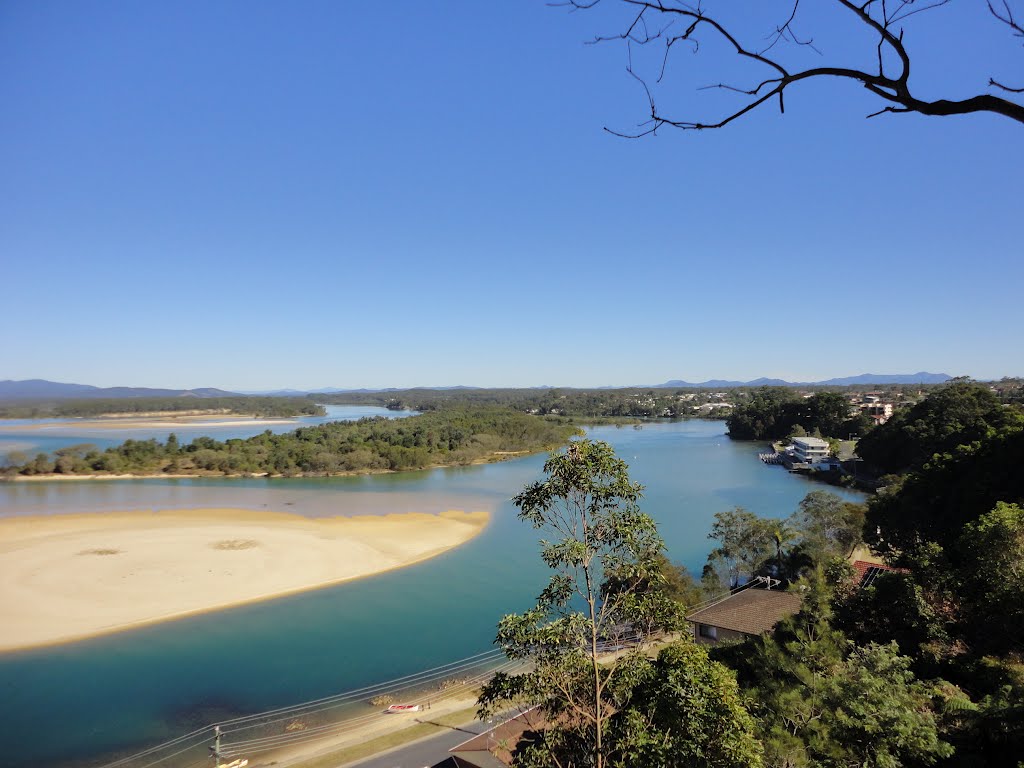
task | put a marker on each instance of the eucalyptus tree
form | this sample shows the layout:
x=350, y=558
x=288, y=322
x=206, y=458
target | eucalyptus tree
x=744, y=544
x=608, y=582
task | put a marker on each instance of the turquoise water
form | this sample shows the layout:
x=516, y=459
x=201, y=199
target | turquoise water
x=137, y=687
x=34, y=436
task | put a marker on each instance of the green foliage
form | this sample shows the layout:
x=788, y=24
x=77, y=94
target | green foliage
x=820, y=701
x=456, y=436
x=773, y=413
x=266, y=407
x=745, y=542
x=823, y=527
x=958, y=613
x=827, y=525
x=934, y=502
x=678, y=711
x=766, y=415
x=989, y=558
x=607, y=559
x=897, y=608
x=678, y=584
x=955, y=415
x=628, y=403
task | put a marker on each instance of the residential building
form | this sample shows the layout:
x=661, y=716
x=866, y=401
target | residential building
x=810, y=450
x=748, y=613
x=497, y=747
x=866, y=572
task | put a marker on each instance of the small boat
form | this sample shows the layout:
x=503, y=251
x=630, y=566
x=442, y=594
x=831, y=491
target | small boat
x=398, y=708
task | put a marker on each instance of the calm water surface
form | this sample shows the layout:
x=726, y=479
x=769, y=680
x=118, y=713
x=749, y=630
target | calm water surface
x=34, y=436
x=154, y=683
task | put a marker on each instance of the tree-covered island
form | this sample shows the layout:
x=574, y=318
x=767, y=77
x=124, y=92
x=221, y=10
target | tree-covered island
x=236, y=405
x=450, y=437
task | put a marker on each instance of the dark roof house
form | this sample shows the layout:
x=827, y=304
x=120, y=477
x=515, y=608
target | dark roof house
x=745, y=614
x=495, y=748
x=866, y=572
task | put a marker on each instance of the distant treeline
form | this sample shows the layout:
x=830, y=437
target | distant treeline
x=452, y=436
x=241, y=405
x=764, y=412
x=580, y=403
x=772, y=413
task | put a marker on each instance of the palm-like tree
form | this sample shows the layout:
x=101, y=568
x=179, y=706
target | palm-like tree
x=783, y=534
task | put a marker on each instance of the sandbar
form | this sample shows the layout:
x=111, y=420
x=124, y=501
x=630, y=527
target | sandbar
x=152, y=421
x=68, y=577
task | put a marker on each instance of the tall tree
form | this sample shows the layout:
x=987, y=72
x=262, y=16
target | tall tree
x=681, y=710
x=745, y=541
x=990, y=557
x=606, y=555
x=828, y=525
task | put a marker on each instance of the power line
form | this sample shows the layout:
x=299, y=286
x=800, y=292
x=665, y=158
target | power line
x=204, y=734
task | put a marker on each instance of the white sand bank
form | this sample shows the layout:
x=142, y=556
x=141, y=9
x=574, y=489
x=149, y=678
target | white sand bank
x=149, y=422
x=68, y=577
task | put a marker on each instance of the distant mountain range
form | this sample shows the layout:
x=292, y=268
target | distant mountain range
x=40, y=389
x=921, y=377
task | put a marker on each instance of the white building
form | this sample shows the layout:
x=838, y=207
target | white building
x=810, y=450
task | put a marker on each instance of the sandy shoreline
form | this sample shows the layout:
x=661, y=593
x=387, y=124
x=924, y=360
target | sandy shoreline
x=151, y=422
x=68, y=577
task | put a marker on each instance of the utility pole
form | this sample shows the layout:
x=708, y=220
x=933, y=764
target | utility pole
x=216, y=746
x=768, y=581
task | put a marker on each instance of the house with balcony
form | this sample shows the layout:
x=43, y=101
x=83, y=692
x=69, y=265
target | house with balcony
x=810, y=450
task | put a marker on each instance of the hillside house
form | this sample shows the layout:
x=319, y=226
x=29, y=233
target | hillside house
x=497, y=747
x=749, y=613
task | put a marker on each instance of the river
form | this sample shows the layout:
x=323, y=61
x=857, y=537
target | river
x=137, y=687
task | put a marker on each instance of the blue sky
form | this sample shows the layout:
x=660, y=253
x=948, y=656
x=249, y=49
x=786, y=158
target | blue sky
x=253, y=195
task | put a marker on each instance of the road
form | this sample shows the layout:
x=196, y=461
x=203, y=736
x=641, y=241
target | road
x=426, y=752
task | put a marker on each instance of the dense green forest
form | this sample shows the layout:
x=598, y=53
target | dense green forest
x=926, y=665
x=772, y=413
x=241, y=405
x=454, y=436
x=958, y=414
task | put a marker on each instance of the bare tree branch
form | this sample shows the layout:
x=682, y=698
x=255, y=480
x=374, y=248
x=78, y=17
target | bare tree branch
x=882, y=17
x=1004, y=87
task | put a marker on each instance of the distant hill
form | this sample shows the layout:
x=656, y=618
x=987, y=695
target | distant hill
x=921, y=377
x=879, y=378
x=41, y=389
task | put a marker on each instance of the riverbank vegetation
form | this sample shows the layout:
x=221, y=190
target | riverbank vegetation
x=937, y=637
x=773, y=413
x=261, y=407
x=922, y=664
x=632, y=402
x=454, y=436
